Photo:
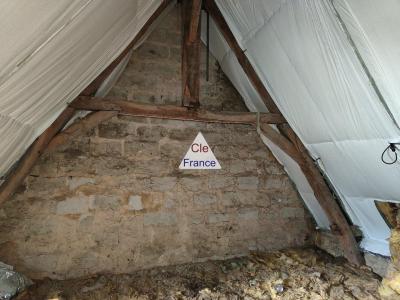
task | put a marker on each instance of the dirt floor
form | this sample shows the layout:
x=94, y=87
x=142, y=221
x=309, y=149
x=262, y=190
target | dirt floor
x=291, y=274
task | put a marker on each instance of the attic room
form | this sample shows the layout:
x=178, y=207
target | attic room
x=199, y=149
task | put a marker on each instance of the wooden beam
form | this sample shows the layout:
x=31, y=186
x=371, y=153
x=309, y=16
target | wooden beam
x=218, y=18
x=79, y=127
x=191, y=52
x=339, y=225
x=194, y=28
x=314, y=177
x=26, y=163
x=282, y=142
x=172, y=112
x=92, y=87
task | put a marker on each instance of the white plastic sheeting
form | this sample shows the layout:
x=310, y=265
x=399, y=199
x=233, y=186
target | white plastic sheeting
x=305, y=58
x=51, y=50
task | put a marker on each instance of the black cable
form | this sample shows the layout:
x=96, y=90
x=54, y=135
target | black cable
x=393, y=148
x=208, y=47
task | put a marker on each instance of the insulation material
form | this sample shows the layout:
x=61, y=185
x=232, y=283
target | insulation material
x=11, y=282
x=309, y=65
x=54, y=50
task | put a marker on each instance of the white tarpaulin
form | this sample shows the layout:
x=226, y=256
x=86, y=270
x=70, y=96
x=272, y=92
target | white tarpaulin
x=52, y=50
x=303, y=54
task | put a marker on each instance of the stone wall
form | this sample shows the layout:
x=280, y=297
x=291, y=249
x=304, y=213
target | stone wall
x=153, y=74
x=114, y=200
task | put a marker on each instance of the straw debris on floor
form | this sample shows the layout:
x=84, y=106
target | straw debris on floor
x=289, y=274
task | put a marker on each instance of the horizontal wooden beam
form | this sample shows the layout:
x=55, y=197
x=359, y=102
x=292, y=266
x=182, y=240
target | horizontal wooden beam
x=26, y=163
x=172, y=112
x=79, y=127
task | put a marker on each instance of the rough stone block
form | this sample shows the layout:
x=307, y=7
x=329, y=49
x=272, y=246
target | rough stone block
x=151, y=133
x=248, y=214
x=153, y=167
x=186, y=134
x=220, y=182
x=241, y=166
x=176, y=54
x=160, y=218
x=216, y=138
x=197, y=218
x=248, y=183
x=113, y=130
x=204, y=199
x=275, y=182
x=193, y=184
x=75, y=205
x=173, y=149
x=228, y=199
x=218, y=218
x=292, y=212
x=105, y=147
x=151, y=51
x=163, y=183
x=106, y=202
x=142, y=150
x=378, y=263
x=48, y=186
x=111, y=166
x=273, y=168
x=75, y=182
x=135, y=202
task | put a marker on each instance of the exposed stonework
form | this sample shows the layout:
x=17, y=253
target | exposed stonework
x=153, y=74
x=114, y=200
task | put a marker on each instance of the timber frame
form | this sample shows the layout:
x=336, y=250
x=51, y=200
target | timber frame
x=191, y=16
x=104, y=109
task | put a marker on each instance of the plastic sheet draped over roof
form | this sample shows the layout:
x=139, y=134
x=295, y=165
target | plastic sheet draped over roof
x=52, y=50
x=315, y=65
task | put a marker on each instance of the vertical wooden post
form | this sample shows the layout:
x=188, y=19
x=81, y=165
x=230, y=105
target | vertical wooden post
x=191, y=10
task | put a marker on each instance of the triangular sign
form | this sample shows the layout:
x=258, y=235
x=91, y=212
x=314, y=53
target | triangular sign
x=199, y=156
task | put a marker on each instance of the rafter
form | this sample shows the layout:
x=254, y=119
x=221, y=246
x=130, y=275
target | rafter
x=321, y=190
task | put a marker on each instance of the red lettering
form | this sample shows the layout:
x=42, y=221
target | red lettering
x=195, y=147
x=199, y=148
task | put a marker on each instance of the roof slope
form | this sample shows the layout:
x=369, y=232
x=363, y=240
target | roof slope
x=54, y=49
x=303, y=54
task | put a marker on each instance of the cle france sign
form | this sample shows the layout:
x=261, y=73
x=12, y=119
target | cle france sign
x=199, y=156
